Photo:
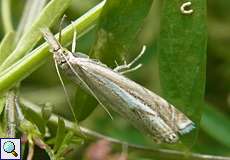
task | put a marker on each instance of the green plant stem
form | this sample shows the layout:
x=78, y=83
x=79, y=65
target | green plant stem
x=33, y=60
x=6, y=16
x=10, y=113
x=140, y=150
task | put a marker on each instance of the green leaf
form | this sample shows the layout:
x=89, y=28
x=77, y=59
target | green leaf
x=32, y=10
x=119, y=24
x=77, y=140
x=84, y=104
x=67, y=140
x=182, y=56
x=6, y=15
x=216, y=124
x=48, y=16
x=35, y=118
x=6, y=46
x=46, y=111
x=60, y=134
x=2, y=103
x=66, y=144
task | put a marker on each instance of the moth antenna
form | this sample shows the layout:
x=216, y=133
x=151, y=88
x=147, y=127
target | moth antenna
x=60, y=27
x=65, y=91
x=74, y=42
x=90, y=90
x=132, y=69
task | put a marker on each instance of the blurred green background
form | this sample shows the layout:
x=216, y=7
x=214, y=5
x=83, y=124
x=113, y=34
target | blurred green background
x=43, y=85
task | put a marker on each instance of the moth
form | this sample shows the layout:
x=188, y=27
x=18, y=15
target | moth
x=147, y=111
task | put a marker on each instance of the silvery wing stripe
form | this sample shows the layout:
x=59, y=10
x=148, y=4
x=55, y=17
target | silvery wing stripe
x=140, y=115
x=173, y=117
x=121, y=101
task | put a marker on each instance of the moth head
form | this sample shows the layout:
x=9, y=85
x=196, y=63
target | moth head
x=61, y=56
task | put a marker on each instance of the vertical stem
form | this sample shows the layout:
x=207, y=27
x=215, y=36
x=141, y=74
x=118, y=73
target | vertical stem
x=10, y=113
x=6, y=16
x=31, y=151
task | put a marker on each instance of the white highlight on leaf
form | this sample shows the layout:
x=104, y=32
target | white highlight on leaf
x=186, y=8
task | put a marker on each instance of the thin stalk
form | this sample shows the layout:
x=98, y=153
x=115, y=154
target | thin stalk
x=33, y=60
x=10, y=113
x=6, y=16
x=140, y=150
x=30, y=151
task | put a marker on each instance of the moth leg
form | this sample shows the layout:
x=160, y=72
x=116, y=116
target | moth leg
x=125, y=68
x=131, y=69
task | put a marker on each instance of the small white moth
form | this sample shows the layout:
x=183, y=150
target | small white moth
x=147, y=111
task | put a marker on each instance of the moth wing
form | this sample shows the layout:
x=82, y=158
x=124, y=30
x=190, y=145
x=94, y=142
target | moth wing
x=177, y=120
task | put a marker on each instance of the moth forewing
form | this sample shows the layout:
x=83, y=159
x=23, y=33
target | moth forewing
x=135, y=103
x=147, y=111
x=173, y=117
